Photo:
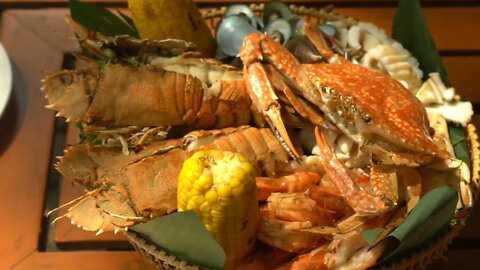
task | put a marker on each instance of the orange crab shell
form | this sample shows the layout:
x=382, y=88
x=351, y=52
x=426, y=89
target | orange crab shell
x=392, y=108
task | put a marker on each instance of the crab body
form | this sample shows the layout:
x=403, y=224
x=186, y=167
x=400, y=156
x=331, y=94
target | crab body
x=364, y=104
x=374, y=110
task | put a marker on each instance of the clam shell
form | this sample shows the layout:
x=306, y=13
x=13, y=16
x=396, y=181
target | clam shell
x=279, y=30
x=230, y=34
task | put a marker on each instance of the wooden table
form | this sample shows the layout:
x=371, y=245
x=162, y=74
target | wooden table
x=39, y=42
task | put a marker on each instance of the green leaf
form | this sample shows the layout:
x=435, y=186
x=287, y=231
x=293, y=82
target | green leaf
x=86, y=136
x=371, y=235
x=128, y=20
x=87, y=53
x=411, y=30
x=430, y=217
x=99, y=19
x=183, y=235
x=459, y=142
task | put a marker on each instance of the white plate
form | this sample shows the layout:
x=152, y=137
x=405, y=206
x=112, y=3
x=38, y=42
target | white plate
x=5, y=79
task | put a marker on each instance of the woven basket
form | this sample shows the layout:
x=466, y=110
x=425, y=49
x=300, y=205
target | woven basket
x=417, y=260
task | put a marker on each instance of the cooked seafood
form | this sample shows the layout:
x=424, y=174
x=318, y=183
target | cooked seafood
x=119, y=95
x=124, y=190
x=370, y=152
x=371, y=47
x=363, y=104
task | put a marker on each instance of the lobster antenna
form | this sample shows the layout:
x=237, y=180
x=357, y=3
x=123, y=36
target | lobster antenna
x=58, y=218
x=127, y=218
x=72, y=202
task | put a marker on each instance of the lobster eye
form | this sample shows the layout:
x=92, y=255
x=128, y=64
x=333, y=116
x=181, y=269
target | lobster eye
x=66, y=79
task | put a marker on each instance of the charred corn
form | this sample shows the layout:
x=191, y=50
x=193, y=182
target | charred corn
x=180, y=19
x=220, y=187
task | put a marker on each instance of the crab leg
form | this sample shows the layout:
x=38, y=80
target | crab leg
x=301, y=106
x=261, y=91
x=363, y=203
x=318, y=40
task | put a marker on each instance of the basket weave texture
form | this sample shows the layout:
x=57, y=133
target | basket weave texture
x=417, y=260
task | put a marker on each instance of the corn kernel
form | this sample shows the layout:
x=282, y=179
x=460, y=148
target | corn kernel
x=204, y=182
x=216, y=213
x=199, y=200
x=205, y=207
x=211, y=196
x=218, y=207
x=237, y=191
x=220, y=187
x=191, y=205
x=188, y=175
x=234, y=182
x=195, y=192
x=224, y=191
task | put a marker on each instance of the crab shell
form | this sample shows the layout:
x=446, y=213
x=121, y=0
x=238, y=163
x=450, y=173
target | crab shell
x=385, y=107
x=365, y=104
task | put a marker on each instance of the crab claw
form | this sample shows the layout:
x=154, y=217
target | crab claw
x=317, y=38
x=362, y=202
x=261, y=91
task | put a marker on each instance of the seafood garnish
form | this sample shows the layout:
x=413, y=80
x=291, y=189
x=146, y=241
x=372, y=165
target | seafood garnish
x=397, y=62
x=130, y=137
x=434, y=91
x=460, y=112
x=371, y=47
x=442, y=100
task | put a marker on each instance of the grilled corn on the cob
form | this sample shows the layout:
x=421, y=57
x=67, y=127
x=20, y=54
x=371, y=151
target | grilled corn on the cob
x=220, y=187
x=181, y=19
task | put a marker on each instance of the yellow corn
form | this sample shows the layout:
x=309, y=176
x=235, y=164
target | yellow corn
x=180, y=19
x=220, y=187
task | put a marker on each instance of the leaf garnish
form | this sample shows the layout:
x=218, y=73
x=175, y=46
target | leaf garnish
x=459, y=142
x=430, y=217
x=411, y=30
x=86, y=137
x=184, y=236
x=101, y=20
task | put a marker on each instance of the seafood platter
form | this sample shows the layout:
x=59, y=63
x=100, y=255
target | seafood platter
x=281, y=137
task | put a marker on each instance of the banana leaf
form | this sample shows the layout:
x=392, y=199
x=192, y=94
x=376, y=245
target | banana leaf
x=430, y=217
x=184, y=236
x=459, y=142
x=102, y=20
x=433, y=213
x=411, y=30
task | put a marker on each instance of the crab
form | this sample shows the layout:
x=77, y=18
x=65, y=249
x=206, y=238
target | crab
x=375, y=111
